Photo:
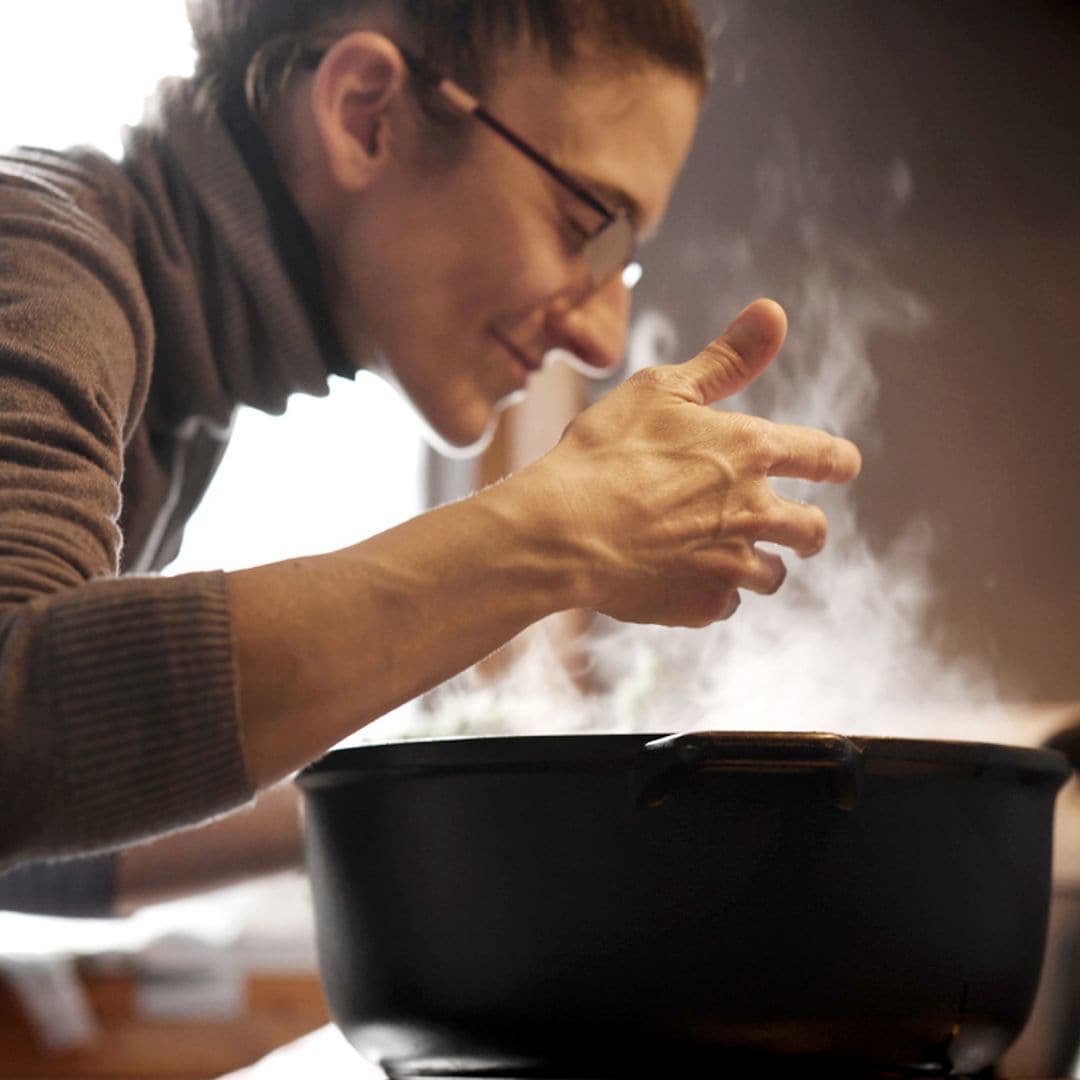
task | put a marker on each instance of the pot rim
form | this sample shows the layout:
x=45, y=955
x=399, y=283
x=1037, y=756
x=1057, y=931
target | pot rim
x=881, y=755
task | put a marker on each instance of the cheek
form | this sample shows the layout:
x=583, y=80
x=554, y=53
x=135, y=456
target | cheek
x=507, y=281
x=529, y=270
x=513, y=229
x=480, y=262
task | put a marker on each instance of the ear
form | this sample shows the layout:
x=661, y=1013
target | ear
x=358, y=80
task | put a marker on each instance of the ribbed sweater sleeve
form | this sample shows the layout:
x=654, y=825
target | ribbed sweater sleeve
x=118, y=716
x=83, y=888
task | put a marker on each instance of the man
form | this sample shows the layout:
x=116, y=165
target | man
x=440, y=192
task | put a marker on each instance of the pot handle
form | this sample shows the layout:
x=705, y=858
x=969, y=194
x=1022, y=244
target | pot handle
x=666, y=763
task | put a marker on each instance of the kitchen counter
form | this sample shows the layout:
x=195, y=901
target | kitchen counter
x=136, y=1037
x=326, y=1054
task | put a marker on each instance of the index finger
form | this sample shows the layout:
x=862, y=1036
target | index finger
x=809, y=454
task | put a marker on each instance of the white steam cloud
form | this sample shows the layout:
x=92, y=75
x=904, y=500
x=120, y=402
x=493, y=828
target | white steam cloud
x=847, y=644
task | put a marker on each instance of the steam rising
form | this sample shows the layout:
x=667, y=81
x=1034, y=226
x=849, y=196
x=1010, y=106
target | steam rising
x=846, y=645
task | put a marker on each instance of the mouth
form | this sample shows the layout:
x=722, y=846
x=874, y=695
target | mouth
x=524, y=363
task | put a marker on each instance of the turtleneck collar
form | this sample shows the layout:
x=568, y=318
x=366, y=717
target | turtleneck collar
x=266, y=312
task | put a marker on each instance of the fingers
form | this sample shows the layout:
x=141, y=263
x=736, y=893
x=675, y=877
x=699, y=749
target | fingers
x=744, y=566
x=788, y=449
x=766, y=573
x=799, y=526
x=712, y=605
x=808, y=454
x=739, y=355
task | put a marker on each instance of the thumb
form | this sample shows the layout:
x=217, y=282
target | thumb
x=740, y=354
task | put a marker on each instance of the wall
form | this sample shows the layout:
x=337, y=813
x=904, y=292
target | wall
x=905, y=178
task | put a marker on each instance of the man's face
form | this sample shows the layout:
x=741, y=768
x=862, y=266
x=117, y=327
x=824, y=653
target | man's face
x=464, y=278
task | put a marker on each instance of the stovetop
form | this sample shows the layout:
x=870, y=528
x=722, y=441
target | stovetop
x=795, y=1071
x=728, y=1067
x=325, y=1054
x=781, y=1071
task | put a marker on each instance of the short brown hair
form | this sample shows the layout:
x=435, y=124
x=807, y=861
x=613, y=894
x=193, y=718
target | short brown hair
x=241, y=43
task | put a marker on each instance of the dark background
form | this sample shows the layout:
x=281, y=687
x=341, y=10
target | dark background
x=921, y=160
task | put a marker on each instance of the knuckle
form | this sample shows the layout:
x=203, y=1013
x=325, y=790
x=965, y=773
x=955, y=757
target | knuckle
x=762, y=515
x=730, y=604
x=728, y=360
x=724, y=476
x=743, y=441
x=763, y=522
x=650, y=378
x=716, y=605
x=759, y=444
x=828, y=459
x=747, y=568
x=705, y=606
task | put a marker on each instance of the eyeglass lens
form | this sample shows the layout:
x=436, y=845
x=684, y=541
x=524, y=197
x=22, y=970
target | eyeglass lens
x=610, y=250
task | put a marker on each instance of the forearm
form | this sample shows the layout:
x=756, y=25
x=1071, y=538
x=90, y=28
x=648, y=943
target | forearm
x=171, y=700
x=264, y=838
x=328, y=643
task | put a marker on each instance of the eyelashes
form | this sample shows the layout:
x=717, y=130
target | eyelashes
x=579, y=230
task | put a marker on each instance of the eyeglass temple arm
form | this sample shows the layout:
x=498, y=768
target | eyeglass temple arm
x=460, y=99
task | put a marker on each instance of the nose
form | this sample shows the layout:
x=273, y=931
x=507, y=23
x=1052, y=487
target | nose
x=593, y=327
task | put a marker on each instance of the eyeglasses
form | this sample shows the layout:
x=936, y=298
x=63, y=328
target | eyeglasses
x=608, y=249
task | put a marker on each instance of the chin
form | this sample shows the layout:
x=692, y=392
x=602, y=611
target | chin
x=467, y=434
x=460, y=451
x=463, y=440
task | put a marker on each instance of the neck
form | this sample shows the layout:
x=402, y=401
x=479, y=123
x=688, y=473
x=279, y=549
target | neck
x=296, y=229
x=301, y=162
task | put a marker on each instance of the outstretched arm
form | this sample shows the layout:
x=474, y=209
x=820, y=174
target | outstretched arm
x=264, y=838
x=648, y=509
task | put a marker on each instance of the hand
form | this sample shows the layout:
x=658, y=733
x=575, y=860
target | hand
x=664, y=499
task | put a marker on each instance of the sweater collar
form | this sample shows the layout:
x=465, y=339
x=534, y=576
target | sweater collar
x=250, y=242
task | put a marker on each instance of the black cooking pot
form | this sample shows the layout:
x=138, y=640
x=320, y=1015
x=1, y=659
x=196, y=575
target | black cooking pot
x=634, y=901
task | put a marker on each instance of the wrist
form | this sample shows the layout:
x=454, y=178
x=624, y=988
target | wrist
x=531, y=511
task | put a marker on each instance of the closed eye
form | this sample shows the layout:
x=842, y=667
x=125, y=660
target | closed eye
x=579, y=229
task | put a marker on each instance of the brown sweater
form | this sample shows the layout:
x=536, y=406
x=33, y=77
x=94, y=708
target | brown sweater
x=140, y=303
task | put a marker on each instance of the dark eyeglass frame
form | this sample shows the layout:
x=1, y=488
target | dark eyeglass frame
x=607, y=249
